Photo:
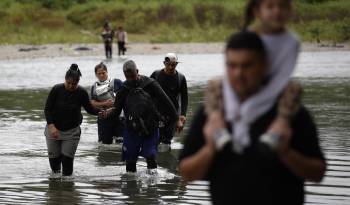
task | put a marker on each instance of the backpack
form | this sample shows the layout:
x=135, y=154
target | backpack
x=141, y=115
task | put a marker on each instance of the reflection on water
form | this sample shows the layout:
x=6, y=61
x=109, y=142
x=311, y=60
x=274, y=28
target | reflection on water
x=100, y=175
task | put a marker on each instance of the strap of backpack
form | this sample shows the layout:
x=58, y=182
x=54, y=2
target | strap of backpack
x=180, y=79
x=156, y=75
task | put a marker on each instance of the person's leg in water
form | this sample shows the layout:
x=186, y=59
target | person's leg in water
x=131, y=149
x=166, y=135
x=120, y=48
x=105, y=129
x=106, y=49
x=54, y=153
x=123, y=48
x=67, y=164
x=110, y=49
x=55, y=164
x=118, y=130
x=69, y=147
x=149, y=150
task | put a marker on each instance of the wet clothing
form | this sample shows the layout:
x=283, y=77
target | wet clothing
x=133, y=144
x=67, y=165
x=62, y=150
x=65, y=144
x=256, y=176
x=109, y=127
x=63, y=108
x=175, y=86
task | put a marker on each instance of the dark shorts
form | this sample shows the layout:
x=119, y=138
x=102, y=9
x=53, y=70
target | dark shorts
x=135, y=146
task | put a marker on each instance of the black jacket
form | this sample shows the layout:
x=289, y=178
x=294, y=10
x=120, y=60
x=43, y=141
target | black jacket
x=154, y=90
x=63, y=108
x=175, y=86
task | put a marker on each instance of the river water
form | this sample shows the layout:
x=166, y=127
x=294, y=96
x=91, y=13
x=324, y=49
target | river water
x=99, y=175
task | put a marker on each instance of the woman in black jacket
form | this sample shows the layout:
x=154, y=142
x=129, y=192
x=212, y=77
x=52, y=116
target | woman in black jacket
x=63, y=116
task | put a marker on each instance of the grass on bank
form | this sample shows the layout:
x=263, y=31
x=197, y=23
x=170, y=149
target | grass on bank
x=79, y=21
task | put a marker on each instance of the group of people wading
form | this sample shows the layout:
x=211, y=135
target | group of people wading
x=154, y=108
x=252, y=138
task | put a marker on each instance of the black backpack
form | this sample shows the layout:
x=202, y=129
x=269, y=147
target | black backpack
x=141, y=115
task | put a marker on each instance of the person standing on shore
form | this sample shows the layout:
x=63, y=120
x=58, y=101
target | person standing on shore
x=63, y=117
x=137, y=98
x=122, y=37
x=174, y=85
x=107, y=36
x=103, y=93
x=226, y=143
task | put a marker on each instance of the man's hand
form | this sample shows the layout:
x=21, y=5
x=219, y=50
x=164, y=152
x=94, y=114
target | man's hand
x=53, y=131
x=105, y=113
x=281, y=127
x=181, y=123
x=108, y=103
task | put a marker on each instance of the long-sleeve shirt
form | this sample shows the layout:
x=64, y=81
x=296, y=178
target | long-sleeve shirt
x=63, y=107
x=155, y=91
x=175, y=86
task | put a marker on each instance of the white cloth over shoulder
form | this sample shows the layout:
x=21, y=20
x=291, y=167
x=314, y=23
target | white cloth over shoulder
x=282, y=50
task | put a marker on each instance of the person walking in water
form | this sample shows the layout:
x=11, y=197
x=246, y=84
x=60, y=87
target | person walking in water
x=63, y=117
x=174, y=85
x=122, y=37
x=103, y=93
x=107, y=37
x=137, y=98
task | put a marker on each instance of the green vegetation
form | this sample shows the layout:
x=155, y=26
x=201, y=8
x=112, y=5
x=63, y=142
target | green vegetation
x=80, y=21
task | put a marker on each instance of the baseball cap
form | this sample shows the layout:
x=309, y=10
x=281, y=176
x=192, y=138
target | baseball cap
x=171, y=57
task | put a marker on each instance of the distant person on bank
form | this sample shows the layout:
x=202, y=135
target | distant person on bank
x=137, y=99
x=174, y=85
x=107, y=37
x=63, y=117
x=103, y=93
x=252, y=156
x=122, y=37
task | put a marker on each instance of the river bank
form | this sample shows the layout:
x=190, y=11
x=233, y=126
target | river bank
x=73, y=50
